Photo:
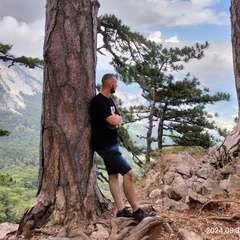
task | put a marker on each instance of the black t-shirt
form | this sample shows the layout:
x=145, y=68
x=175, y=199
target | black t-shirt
x=103, y=136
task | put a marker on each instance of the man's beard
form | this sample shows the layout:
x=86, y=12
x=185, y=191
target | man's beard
x=112, y=90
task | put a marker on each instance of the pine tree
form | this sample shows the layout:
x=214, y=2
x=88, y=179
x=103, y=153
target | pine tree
x=4, y=132
x=150, y=64
x=6, y=56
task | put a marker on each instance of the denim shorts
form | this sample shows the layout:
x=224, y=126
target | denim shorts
x=114, y=161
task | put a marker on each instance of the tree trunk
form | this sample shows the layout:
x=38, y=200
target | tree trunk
x=160, y=131
x=231, y=146
x=68, y=191
x=150, y=126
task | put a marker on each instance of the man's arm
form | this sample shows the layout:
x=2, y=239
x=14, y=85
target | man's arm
x=114, y=120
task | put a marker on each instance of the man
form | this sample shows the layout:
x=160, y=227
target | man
x=106, y=121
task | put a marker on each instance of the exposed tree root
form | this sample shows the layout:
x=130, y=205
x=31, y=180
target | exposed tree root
x=129, y=232
x=231, y=219
x=118, y=225
x=217, y=201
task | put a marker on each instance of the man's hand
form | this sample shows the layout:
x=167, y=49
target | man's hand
x=113, y=127
x=114, y=120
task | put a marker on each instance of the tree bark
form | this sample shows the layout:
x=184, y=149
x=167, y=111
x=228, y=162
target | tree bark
x=68, y=191
x=160, y=131
x=231, y=146
x=150, y=126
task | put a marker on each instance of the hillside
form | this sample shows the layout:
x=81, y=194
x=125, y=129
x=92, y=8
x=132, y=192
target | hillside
x=192, y=196
x=198, y=199
x=179, y=186
x=20, y=113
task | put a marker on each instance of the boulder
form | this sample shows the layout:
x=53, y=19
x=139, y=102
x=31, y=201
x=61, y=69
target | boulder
x=170, y=204
x=211, y=188
x=184, y=170
x=6, y=228
x=237, y=168
x=184, y=234
x=195, y=183
x=207, y=171
x=171, y=193
x=227, y=170
x=194, y=197
x=233, y=185
x=155, y=193
x=168, y=177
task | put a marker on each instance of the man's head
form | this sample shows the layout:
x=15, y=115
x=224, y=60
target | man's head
x=109, y=81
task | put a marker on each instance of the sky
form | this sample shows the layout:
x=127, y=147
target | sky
x=174, y=23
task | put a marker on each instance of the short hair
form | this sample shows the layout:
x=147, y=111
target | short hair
x=107, y=77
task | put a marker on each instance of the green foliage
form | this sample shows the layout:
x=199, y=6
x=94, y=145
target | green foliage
x=26, y=61
x=5, y=48
x=177, y=105
x=192, y=135
x=18, y=189
x=21, y=147
x=6, y=180
x=19, y=154
x=14, y=202
x=4, y=132
x=194, y=149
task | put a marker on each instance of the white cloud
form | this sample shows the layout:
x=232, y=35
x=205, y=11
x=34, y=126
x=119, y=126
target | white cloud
x=217, y=63
x=27, y=39
x=173, y=39
x=155, y=37
x=165, y=12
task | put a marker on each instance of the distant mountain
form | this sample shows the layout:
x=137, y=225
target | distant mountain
x=17, y=82
x=20, y=113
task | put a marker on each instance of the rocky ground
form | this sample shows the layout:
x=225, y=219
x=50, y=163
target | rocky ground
x=214, y=213
x=195, y=198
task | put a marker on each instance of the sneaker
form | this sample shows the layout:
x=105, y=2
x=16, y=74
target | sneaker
x=124, y=213
x=139, y=215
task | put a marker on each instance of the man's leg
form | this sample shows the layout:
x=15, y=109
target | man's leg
x=116, y=191
x=128, y=190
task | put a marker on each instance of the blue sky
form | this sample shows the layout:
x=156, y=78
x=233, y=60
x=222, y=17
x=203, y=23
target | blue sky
x=174, y=23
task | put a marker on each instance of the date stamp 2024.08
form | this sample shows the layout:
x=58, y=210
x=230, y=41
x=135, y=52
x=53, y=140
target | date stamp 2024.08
x=223, y=230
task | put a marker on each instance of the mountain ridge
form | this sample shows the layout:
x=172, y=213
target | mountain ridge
x=15, y=82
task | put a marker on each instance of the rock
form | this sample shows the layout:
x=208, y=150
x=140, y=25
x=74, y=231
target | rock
x=181, y=189
x=193, y=197
x=177, y=180
x=168, y=177
x=207, y=171
x=233, y=185
x=171, y=193
x=184, y=170
x=211, y=188
x=165, y=191
x=170, y=204
x=228, y=170
x=153, y=176
x=195, y=183
x=224, y=184
x=237, y=168
x=184, y=234
x=6, y=228
x=155, y=193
